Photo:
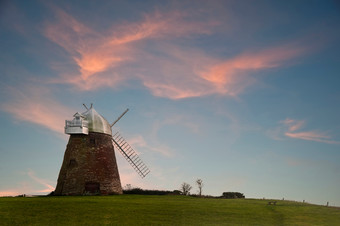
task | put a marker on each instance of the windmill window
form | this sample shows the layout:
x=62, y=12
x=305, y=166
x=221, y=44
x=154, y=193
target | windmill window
x=72, y=163
x=92, y=141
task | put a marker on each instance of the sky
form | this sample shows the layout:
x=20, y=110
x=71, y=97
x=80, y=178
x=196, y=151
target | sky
x=241, y=94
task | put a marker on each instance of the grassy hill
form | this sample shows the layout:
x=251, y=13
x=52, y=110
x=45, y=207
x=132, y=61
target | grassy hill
x=160, y=210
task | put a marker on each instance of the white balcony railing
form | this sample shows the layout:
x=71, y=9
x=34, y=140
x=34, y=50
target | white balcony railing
x=76, y=123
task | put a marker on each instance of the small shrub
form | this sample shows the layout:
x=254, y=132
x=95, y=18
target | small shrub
x=233, y=195
x=139, y=191
x=176, y=192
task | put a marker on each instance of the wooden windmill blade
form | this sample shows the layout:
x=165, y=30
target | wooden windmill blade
x=128, y=153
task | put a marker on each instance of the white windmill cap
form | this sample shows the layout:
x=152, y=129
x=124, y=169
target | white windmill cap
x=96, y=122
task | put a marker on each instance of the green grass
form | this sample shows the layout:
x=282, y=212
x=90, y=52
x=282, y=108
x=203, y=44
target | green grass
x=160, y=210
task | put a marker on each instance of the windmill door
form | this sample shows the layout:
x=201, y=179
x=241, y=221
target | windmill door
x=92, y=187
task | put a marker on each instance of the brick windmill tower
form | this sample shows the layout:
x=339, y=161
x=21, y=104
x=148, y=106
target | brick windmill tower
x=89, y=166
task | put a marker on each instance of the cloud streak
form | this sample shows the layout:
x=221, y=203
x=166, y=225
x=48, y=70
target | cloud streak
x=48, y=187
x=35, y=105
x=291, y=127
x=29, y=187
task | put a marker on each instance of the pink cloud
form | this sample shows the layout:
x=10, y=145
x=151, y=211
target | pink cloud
x=313, y=136
x=191, y=73
x=100, y=56
x=165, y=25
x=230, y=76
x=107, y=59
x=290, y=130
x=172, y=91
x=174, y=74
x=90, y=51
x=293, y=124
x=37, y=106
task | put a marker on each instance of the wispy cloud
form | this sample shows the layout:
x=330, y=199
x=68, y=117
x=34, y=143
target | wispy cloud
x=48, y=187
x=293, y=124
x=36, y=105
x=138, y=143
x=160, y=174
x=313, y=136
x=200, y=74
x=150, y=142
x=96, y=54
x=91, y=53
x=289, y=128
x=31, y=187
x=122, y=53
x=11, y=192
x=230, y=76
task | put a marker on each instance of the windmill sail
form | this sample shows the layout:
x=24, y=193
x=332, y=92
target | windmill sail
x=130, y=155
x=119, y=117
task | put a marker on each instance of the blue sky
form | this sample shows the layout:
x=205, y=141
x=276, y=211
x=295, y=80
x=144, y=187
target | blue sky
x=242, y=94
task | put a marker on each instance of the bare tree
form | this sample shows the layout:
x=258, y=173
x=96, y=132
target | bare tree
x=199, y=183
x=185, y=188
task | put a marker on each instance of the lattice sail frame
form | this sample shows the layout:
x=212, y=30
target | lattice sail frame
x=130, y=155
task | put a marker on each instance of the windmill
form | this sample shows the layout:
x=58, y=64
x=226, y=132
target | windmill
x=89, y=165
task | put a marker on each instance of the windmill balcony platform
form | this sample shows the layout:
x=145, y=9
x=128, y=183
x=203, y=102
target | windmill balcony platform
x=76, y=127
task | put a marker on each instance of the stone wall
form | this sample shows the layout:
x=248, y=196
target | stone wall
x=89, y=166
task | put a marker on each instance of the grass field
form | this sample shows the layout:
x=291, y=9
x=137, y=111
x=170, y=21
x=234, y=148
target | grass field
x=160, y=210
